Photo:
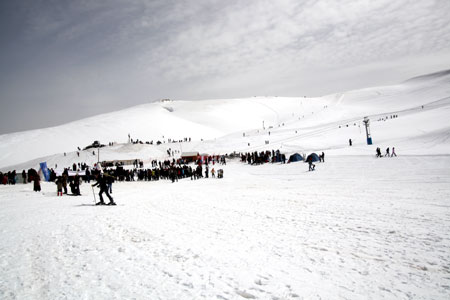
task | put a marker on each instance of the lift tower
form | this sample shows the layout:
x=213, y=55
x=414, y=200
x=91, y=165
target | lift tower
x=367, y=124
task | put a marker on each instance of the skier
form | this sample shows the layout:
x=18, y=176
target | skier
x=311, y=165
x=323, y=157
x=387, y=152
x=350, y=142
x=101, y=182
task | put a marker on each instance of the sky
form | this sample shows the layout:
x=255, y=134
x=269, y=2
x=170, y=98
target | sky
x=64, y=60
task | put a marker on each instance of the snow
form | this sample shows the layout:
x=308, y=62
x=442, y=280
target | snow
x=357, y=227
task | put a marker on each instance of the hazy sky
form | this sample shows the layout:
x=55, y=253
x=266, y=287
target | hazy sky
x=64, y=60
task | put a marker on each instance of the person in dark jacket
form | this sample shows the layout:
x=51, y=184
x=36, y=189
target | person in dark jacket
x=59, y=185
x=37, y=184
x=102, y=183
x=109, y=182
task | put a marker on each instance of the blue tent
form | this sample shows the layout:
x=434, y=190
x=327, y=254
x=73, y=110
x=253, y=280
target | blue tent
x=313, y=157
x=295, y=157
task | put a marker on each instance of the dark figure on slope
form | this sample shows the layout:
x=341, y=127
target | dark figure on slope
x=75, y=185
x=37, y=184
x=102, y=183
x=378, y=152
x=393, y=152
x=322, y=157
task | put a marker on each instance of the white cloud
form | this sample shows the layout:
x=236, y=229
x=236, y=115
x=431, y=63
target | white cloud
x=111, y=51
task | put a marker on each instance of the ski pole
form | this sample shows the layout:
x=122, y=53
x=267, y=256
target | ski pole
x=94, y=194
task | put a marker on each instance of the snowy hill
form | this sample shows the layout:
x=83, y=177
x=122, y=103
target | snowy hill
x=357, y=227
x=295, y=124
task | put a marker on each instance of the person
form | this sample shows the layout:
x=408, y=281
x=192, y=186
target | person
x=393, y=152
x=322, y=157
x=59, y=185
x=37, y=184
x=311, y=165
x=65, y=178
x=101, y=182
x=378, y=152
x=387, y=152
x=350, y=142
x=109, y=182
x=213, y=173
x=76, y=185
x=88, y=176
x=24, y=176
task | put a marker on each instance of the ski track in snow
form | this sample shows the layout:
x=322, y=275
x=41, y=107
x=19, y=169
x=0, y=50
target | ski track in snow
x=356, y=228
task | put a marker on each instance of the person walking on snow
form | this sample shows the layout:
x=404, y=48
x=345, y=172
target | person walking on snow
x=387, y=152
x=378, y=152
x=393, y=152
x=101, y=182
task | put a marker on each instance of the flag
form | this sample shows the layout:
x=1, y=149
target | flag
x=45, y=171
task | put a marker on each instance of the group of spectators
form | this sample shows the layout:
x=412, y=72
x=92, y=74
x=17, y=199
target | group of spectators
x=255, y=158
x=160, y=170
x=169, y=170
x=12, y=177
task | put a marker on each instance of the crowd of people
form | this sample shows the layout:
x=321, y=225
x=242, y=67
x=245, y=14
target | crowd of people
x=12, y=177
x=257, y=158
x=169, y=169
x=160, y=170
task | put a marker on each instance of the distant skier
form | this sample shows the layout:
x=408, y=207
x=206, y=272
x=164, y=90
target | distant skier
x=311, y=165
x=350, y=142
x=101, y=182
x=322, y=157
x=387, y=152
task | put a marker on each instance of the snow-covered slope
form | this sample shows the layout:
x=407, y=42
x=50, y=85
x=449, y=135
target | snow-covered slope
x=295, y=124
x=358, y=227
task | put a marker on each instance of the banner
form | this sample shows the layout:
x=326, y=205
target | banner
x=45, y=171
x=70, y=173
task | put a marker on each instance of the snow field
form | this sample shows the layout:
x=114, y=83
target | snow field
x=356, y=228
